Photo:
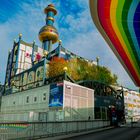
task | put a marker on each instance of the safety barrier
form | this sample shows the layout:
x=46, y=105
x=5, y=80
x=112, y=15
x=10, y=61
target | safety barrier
x=30, y=130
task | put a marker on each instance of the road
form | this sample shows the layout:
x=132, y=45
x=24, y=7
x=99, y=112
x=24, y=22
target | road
x=112, y=134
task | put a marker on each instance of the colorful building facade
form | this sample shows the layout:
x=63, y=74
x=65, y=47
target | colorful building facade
x=27, y=63
x=131, y=103
x=36, y=100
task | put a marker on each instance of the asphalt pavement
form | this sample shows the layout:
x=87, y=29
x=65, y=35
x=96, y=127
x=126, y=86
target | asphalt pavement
x=111, y=134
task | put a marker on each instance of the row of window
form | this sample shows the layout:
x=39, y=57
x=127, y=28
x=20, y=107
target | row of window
x=130, y=99
x=34, y=99
x=132, y=105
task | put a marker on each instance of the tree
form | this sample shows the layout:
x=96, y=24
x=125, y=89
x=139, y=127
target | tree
x=73, y=69
x=79, y=69
x=56, y=66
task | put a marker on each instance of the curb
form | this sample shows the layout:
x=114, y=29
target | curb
x=63, y=137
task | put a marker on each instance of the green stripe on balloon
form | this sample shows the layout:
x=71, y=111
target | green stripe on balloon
x=125, y=11
x=119, y=16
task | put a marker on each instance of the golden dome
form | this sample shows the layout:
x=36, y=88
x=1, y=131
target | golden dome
x=50, y=7
x=48, y=33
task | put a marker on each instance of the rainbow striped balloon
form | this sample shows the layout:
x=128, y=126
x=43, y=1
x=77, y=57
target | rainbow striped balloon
x=119, y=23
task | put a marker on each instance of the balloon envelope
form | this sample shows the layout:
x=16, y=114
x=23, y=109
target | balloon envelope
x=119, y=23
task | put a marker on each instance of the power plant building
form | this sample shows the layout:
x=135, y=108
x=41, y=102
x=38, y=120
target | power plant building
x=30, y=95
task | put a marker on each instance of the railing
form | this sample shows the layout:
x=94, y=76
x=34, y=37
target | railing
x=132, y=121
x=38, y=83
x=30, y=130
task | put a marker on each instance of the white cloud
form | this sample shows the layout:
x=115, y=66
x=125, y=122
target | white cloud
x=81, y=36
x=90, y=46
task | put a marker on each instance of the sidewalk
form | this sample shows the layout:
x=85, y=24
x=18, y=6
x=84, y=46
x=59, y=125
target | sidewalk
x=138, y=138
x=62, y=137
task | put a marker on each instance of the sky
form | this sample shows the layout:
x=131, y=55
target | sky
x=74, y=24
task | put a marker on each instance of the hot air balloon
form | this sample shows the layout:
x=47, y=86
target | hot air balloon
x=119, y=23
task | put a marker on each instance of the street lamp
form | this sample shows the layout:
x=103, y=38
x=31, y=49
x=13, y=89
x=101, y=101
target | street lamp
x=13, y=84
x=97, y=60
x=65, y=70
x=20, y=35
x=60, y=42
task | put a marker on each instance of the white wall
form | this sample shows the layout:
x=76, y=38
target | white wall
x=15, y=107
x=78, y=102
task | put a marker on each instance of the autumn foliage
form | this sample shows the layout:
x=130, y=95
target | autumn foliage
x=81, y=70
x=56, y=66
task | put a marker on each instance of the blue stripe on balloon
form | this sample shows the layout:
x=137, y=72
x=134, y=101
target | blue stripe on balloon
x=136, y=23
x=130, y=18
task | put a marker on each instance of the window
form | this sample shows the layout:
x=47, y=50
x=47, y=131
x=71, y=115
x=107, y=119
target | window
x=27, y=99
x=44, y=96
x=97, y=113
x=103, y=113
x=35, y=99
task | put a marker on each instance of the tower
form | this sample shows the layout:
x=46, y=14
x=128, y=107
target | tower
x=48, y=34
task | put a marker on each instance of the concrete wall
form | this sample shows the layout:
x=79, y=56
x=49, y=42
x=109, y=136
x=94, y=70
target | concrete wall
x=33, y=105
x=26, y=105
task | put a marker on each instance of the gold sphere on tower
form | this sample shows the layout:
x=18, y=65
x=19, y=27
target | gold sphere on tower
x=48, y=33
x=20, y=35
x=50, y=8
x=60, y=41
